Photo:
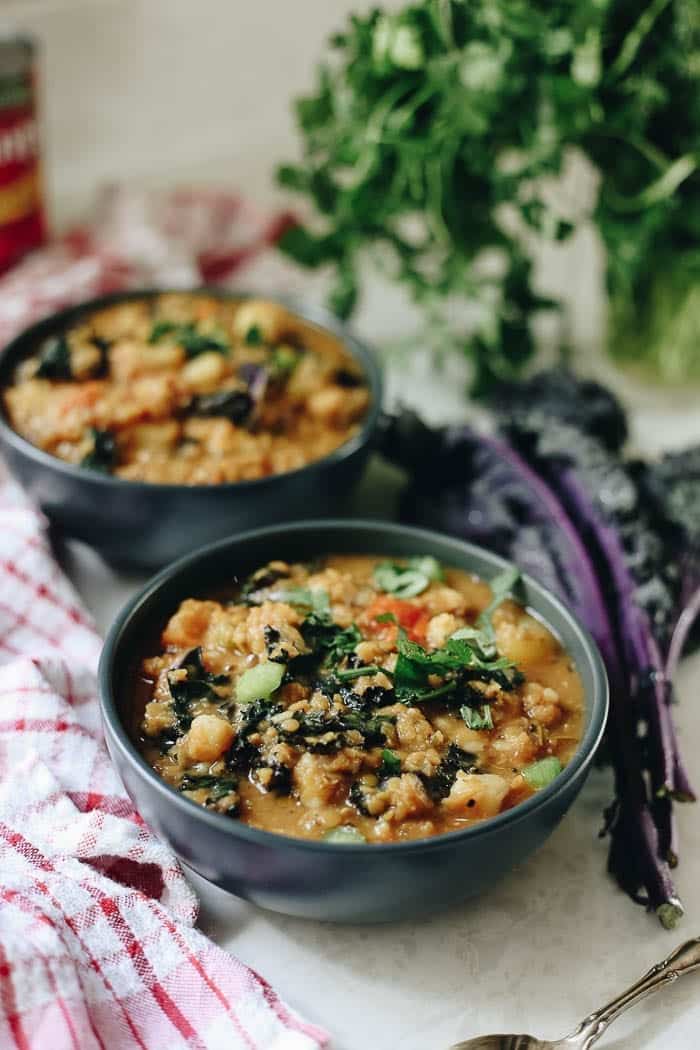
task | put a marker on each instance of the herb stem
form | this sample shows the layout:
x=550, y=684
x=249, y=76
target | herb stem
x=443, y=690
x=357, y=672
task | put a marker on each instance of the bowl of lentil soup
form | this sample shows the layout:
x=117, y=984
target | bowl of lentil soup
x=350, y=720
x=149, y=423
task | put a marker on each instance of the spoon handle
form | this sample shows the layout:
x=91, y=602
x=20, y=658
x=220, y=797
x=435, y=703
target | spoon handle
x=682, y=960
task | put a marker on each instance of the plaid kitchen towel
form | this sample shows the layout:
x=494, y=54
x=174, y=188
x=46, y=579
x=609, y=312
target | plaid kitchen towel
x=136, y=238
x=97, y=943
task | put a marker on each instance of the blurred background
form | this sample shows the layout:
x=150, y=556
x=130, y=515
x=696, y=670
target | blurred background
x=163, y=93
x=170, y=89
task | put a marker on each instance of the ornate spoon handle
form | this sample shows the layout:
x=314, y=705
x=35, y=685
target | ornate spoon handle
x=683, y=960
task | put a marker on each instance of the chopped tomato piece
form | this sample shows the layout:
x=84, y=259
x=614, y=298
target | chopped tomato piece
x=413, y=618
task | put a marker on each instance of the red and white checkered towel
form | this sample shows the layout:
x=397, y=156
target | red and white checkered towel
x=97, y=944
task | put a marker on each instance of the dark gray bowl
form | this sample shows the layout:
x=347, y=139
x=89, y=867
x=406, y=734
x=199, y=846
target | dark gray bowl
x=142, y=525
x=358, y=883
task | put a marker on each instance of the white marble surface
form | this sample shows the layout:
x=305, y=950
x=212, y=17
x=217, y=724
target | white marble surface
x=536, y=953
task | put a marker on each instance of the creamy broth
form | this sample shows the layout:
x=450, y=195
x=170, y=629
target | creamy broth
x=370, y=718
x=189, y=389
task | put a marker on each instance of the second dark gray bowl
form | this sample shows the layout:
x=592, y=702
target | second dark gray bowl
x=144, y=526
x=321, y=880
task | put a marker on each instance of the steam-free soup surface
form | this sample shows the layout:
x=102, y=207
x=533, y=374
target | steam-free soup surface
x=359, y=699
x=189, y=389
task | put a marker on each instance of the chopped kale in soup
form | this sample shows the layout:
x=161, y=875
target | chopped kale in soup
x=359, y=699
x=189, y=389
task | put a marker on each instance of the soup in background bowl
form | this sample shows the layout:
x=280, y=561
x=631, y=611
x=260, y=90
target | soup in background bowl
x=285, y=829
x=188, y=389
x=149, y=423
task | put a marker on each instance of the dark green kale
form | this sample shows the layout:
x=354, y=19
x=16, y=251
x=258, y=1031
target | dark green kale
x=54, y=360
x=234, y=405
x=325, y=732
x=104, y=454
x=259, y=581
x=391, y=764
x=198, y=684
x=254, y=336
x=439, y=785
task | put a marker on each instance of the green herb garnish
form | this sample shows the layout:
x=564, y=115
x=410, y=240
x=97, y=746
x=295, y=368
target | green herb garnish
x=501, y=587
x=356, y=672
x=315, y=600
x=407, y=581
x=391, y=764
x=188, y=336
x=254, y=336
x=477, y=717
x=284, y=360
x=160, y=329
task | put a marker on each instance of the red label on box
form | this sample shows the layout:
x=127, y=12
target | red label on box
x=21, y=205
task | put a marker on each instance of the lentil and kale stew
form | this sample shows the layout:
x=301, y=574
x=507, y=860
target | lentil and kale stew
x=186, y=388
x=359, y=699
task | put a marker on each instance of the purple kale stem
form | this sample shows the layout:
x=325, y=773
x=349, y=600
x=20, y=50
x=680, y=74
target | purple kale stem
x=663, y=899
x=667, y=827
x=482, y=489
x=631, y=790
x=592, y=609
x=636, y=637
x=680, y=634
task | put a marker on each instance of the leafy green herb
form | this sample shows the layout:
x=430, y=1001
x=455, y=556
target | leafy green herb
x=426, y=121
x=284, y=360
x=391, y=764
x=539, y=774
x=347, y=675
x=160, y=329
x=224, y=786
x=104, y=453
x=194, y=783
x=259, y=682
x=190, y=338
x=315, y=600
x=477, y=717
x=345, y=835
x=335, y=642
x=457, y=661
x=254, y=336
x=482, y=640
x=501, y=586
x=407, y=581
x=54, y=360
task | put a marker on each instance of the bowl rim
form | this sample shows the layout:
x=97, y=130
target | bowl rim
x=25, y=341
x=583, y=756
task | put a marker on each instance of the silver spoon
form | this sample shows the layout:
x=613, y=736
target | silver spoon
x=683, y=960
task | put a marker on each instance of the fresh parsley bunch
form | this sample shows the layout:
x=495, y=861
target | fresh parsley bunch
x=429, y=122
